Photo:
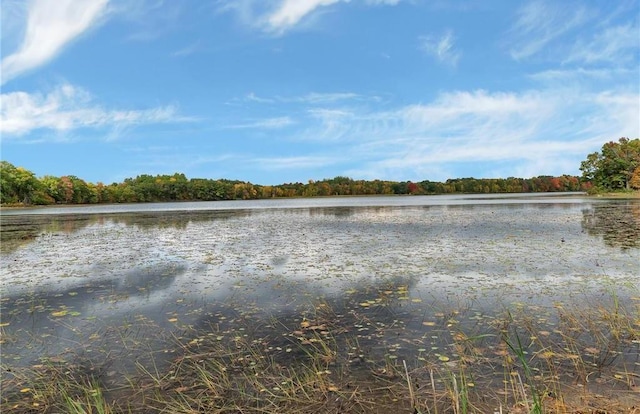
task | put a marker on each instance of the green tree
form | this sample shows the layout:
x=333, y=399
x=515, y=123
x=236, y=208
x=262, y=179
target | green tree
x=51, y=185
x=613, y=167
x=19, y=185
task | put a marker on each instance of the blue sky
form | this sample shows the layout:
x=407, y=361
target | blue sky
x=275, y=91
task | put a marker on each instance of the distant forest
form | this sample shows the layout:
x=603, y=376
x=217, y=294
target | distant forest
x=20, y=186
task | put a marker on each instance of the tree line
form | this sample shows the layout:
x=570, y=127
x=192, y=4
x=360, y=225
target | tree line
x=615, y=168
x=20, y=186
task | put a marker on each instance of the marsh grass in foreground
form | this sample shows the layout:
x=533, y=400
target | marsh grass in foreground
x=347, y=357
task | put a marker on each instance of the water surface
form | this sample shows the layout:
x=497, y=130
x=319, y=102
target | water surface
x=95, y=280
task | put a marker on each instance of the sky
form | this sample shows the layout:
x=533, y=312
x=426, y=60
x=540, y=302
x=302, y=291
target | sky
x=279, y=91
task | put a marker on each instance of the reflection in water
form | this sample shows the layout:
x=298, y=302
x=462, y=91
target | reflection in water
x=390, y=264
x=395, y=281
x=51, y=320
x=333, y=211
x=20, y=230
x=370, y=211
x=618, y=223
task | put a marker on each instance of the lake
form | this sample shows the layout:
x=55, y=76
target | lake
x=117, y=285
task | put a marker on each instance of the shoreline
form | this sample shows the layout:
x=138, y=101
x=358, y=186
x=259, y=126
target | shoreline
x=619, y=195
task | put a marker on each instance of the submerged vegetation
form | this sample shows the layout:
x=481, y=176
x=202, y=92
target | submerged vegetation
x=343, y=356
x=431, y=309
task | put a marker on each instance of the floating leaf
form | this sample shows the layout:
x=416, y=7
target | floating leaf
x=429, y=323
x=173, y=320
x=60, y=313
x=443, y=358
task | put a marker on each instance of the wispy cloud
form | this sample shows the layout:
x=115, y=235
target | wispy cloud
x=286, y=14
x=591, y=78
x=268, y=123
x=67, y=108
x=334, y=125
x=312, y=98
x=281, y=163
x=441, y=48
x=575, y=34
x=50, y=26
x=187, y=50
x=323, y=98
x=255, y=98
x=540, y=22
x=614, y=45
x=471, y=127
x=290, y=12
x=151, y=19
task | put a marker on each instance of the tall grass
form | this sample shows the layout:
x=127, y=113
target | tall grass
x=324, y=362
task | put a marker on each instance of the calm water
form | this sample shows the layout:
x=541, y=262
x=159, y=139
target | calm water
x=82, y=279
x=288, y=203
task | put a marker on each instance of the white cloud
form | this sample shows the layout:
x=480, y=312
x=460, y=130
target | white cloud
x=540, y=22
x=441, y=48
x=334, y=124
x=12, y=20
x=579, y=75
x=282, y=163
x=286, y=14
x=312, y=98
x=384, y=2
x=68, y=108
x=575, y=34
x=616, y=45
x=254, y=98
x=50, y=26
x=290, y=12
x=474, y=105
x=619, y=115
x=268, y=123
x=187, y=50
x=321, y=98
x=329, y=114
x=517, y=130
